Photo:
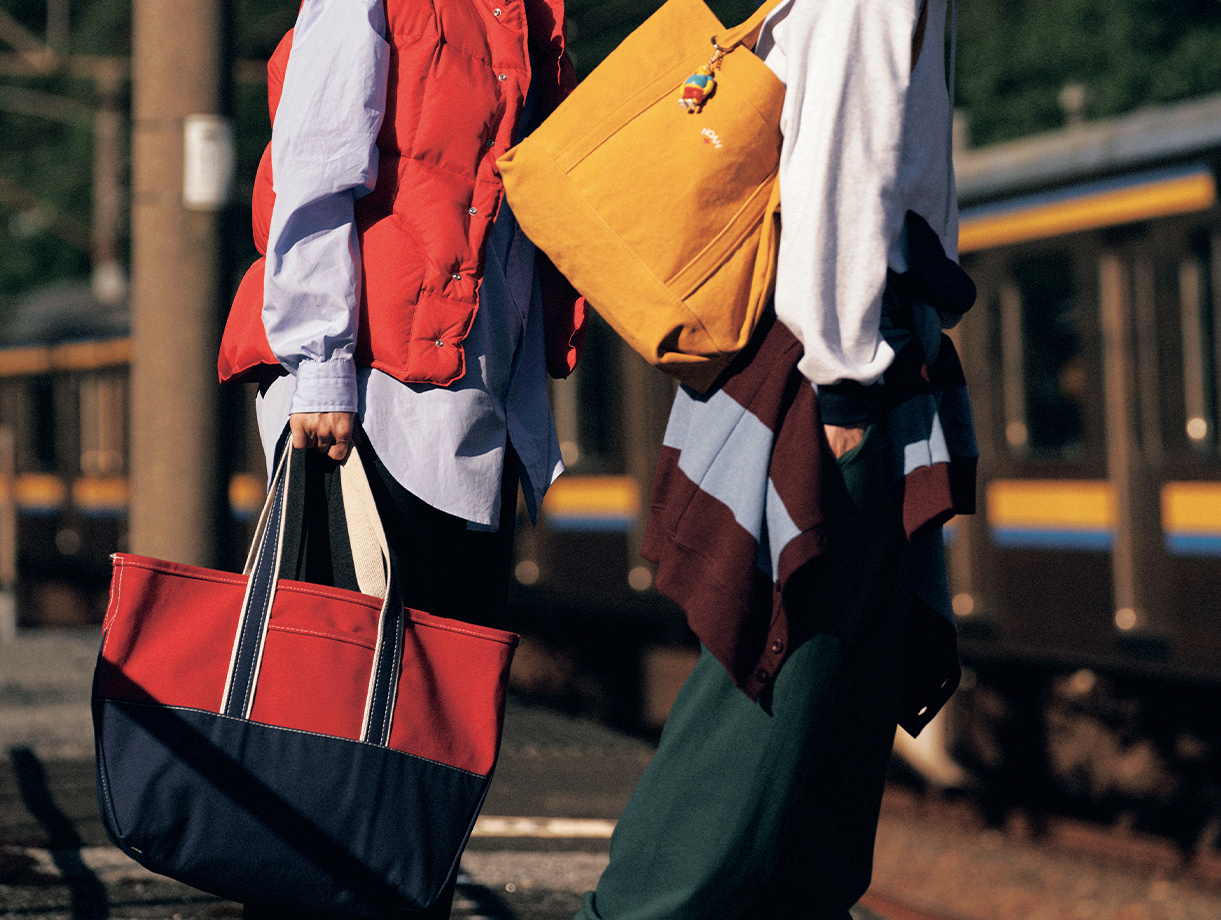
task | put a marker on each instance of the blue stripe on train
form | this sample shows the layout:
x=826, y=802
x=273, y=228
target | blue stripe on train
x=1193, y=544
x=257, y=813
x=1023, y=538
x=573, y=523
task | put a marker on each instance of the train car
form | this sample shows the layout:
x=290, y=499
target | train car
x=1087, y=589
x=1092, y=357
x=64, y=410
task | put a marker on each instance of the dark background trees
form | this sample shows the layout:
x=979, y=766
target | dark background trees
x=1015, y=59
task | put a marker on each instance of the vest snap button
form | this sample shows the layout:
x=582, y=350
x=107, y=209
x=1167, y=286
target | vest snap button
x=496, y=12
x=457, y=277
x=439, y=343
x=473, y=210
x=502, y=77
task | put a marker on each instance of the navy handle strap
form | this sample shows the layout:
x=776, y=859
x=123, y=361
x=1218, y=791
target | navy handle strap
x=376, y=573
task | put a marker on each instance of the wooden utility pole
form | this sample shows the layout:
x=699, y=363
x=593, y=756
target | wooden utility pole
x=181, y=169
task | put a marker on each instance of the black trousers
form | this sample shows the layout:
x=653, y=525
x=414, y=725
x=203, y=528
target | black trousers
x=444, y=568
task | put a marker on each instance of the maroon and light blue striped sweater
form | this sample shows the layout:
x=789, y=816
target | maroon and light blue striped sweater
x=737, y=505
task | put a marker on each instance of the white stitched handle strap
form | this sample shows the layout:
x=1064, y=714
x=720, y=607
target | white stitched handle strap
x=376, y=576
x=370, y=552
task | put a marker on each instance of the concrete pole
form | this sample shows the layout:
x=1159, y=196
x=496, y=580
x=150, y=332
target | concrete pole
x=177, y=496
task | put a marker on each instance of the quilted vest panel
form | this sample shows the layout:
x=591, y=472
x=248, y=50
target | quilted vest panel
x=459, y=71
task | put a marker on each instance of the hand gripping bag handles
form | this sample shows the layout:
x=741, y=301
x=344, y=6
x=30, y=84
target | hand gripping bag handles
x=302, y=746
x=661, y=209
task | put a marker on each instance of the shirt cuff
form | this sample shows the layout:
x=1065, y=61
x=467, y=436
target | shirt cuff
x=848, y=404
x=325, y=386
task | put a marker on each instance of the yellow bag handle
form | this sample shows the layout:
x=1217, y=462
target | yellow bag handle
x=747, y=33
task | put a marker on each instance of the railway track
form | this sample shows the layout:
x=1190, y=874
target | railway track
x=937, y=858
x=892, y=905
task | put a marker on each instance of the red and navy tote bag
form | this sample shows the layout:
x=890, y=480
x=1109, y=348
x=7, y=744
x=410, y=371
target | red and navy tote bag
x=285, y=743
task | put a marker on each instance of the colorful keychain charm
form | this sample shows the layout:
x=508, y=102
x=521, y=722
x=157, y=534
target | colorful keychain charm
x=700, y=86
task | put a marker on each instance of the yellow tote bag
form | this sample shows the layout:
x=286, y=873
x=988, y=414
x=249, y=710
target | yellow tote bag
x=663, y=213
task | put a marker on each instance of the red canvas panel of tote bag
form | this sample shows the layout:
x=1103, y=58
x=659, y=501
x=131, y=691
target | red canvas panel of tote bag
x=279, y=742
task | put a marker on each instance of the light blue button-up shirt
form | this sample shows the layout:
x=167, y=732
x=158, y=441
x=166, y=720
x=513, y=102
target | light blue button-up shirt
x=446, y=445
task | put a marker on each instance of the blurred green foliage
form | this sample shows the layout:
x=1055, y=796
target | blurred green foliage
x=1015, y=57
x=46, y=155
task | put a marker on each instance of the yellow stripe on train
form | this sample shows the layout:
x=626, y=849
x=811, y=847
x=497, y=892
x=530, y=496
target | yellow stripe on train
x=1056, y=503
x=104, y=495
x=108, y=496
x=1081, y=514
x=593, y=503
x=1042, y=216
x=1191, y=518
x=39, y=492
x=247, y=492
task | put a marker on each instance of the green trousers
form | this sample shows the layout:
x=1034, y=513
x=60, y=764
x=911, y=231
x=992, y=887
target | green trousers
x=769, y=809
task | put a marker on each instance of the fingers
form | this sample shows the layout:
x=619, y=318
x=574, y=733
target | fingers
x=339, y=450
x=843, y=440
x=296, y=432
x=335, y=434
x=329, y=432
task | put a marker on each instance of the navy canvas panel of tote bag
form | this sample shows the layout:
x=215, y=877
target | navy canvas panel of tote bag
x=279, y=742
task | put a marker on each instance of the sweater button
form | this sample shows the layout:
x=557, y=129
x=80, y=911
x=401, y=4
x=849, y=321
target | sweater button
x=778, y=646
x=762, y=675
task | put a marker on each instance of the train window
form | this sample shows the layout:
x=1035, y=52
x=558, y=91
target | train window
x=1197, y=279
x=43, y=431
x=1042, y=358
x=103, y=414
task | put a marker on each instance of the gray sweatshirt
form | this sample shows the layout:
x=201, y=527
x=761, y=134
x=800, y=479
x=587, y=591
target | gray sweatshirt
x=866, y=138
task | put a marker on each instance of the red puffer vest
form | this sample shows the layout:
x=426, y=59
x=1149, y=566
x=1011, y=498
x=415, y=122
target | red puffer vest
x=459, y=71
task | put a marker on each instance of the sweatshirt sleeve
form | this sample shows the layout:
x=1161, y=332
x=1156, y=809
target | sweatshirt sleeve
x=324, y=157
x=841, y=213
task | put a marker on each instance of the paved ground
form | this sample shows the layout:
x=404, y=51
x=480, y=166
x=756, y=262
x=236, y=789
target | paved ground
x=55, y=860
x=543, y=837
x=569, y=777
